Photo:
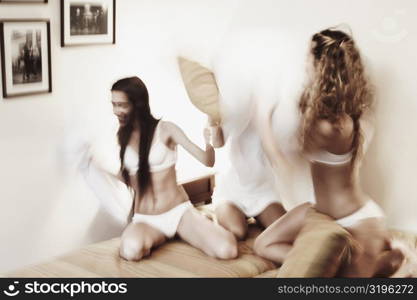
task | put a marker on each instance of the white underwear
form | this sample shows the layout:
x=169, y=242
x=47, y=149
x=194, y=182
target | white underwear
x=251, y=198
x=166, y=222
x=250, y=208
x=369, y=210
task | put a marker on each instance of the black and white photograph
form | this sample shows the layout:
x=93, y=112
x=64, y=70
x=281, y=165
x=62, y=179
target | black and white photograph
x=88, y=19
x=87, y=22
x=235, y=148
x=25, y=57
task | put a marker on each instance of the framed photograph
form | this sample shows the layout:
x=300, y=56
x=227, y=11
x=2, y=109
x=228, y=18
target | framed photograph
x=25, y=57
x=23, y=1
x=88, y=22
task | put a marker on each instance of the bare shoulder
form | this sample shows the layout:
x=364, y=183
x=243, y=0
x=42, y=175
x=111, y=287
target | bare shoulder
x=168, y=127
x=169, y=132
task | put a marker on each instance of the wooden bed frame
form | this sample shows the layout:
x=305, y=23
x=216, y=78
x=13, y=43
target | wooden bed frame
x=200, y=189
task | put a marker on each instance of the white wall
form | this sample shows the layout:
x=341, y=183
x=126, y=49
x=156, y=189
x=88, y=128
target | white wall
x=47, y=209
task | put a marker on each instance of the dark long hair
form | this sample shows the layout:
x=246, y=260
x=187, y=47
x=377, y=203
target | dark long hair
x=339, y=85
x=138, y=97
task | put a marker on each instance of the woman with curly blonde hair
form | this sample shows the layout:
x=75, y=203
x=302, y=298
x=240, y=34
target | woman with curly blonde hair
x=335, y=130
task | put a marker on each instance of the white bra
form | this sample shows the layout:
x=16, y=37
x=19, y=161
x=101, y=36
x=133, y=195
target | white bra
x=161, y=157
x=329, y=158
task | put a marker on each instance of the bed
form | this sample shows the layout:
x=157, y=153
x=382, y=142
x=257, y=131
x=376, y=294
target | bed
x=178, y=259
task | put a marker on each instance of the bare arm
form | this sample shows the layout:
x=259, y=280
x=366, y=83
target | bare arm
x=216, y=133
x=367, y=121
x=206, y=157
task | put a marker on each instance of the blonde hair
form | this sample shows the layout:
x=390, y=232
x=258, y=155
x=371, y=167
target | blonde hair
x=339, y=85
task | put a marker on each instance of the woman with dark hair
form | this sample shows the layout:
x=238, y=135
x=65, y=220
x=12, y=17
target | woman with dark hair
x=161, y=208
x=335, y=131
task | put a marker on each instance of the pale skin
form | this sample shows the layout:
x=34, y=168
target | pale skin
x=230, y=216
x=139, y=238
x=338, y=194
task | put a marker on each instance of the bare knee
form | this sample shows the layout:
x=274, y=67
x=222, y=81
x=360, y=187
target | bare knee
x=304, y=208
x=232, y=219
x=259, y=246
x=133, y=249
x=239, y=231
x=227, y=248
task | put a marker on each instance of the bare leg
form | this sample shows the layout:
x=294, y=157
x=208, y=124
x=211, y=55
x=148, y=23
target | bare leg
x=233, y=219
x=138, y=239
x=270, y=214
x=207, y=236
x=275, y=242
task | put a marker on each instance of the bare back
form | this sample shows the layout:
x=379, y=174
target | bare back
x=337, y=188
x=339, y=194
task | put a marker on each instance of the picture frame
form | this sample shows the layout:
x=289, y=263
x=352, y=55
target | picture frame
x=23, y=1
x=25, y=57
x=86, y=22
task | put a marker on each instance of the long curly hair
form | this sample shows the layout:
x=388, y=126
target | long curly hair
x=338, y=86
